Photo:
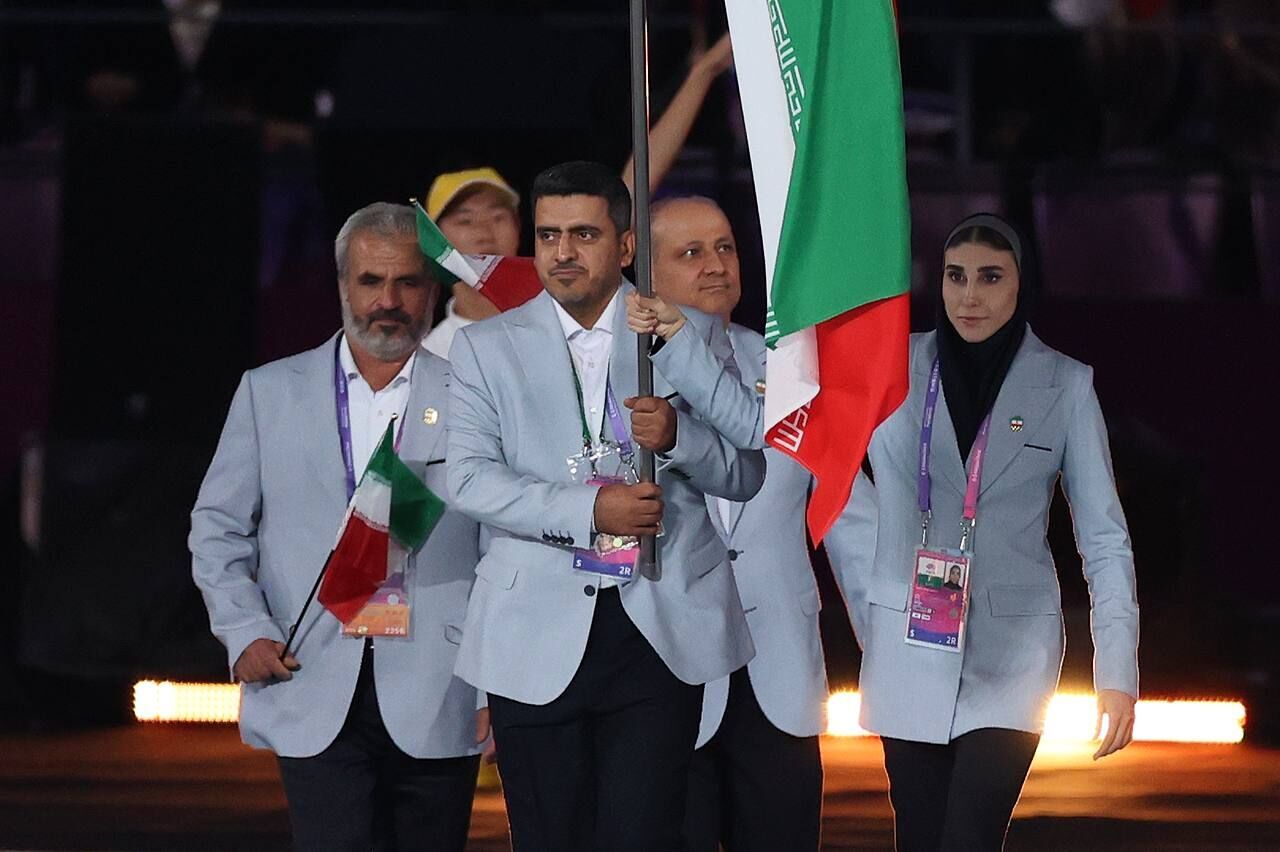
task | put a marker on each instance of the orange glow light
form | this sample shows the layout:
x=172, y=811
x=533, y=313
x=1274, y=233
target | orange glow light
x=164, y=701
x=1072, y=717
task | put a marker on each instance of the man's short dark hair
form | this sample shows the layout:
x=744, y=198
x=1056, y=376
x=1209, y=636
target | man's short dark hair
x=583, y=177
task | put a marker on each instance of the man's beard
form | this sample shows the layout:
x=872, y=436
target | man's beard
x=384, y=347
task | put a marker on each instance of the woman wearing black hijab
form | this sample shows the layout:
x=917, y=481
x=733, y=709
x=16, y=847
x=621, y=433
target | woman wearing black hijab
x=957, y=681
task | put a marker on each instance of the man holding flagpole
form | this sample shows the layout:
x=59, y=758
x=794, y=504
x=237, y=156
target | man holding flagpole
x=377, y=740
x=594, y=672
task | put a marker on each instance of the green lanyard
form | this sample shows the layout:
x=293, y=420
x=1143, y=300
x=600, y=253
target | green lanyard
x=587, y=443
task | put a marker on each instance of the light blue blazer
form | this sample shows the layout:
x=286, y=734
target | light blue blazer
x=1013, y=649
x=770, y=557
x=515, y=422
x=265, y=519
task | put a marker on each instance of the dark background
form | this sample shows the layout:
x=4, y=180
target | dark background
x=166, y=225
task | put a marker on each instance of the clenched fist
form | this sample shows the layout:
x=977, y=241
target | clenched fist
x=653, y=422
x=629, y=509
x=261, y=661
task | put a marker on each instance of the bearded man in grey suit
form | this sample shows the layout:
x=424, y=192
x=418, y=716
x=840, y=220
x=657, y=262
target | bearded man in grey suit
x=384, y=751
x=594, y=681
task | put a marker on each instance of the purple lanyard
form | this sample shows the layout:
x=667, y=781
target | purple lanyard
x=977, y=456
x=342, y=399
x=615, y=420
x=611, y=408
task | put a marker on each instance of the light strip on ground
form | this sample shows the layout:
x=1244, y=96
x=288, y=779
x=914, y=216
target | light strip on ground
x=1072, y=717
x=165, y=701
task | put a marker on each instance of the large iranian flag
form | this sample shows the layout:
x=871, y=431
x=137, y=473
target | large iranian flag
x=391, y=513
x=821, y=94
x=508, y=282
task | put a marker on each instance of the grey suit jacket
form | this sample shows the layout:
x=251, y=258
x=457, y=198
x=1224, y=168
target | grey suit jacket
x=515, y=422
x=770, y=558
x=267, y=515
x=1012, y=655
x=728, y=400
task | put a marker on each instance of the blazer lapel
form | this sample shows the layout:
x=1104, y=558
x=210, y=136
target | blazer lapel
x=944, y=455
x=624, y=359
x=735, y=515
x=428, y=391
x=1027, y=395
x=318, y=431
x=542, y=356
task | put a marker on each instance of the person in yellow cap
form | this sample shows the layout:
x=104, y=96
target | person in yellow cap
x=478, y=212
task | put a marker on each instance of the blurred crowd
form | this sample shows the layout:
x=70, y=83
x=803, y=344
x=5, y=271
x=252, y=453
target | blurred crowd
x=1146, y=81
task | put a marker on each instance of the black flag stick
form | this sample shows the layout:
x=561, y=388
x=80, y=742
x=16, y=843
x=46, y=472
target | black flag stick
x=647, y=563
x=293, y=630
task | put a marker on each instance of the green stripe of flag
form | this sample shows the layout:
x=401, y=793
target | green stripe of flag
x=847, y=216
x=415, y=510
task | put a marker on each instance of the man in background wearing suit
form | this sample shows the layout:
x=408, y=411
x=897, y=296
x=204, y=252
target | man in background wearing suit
x=367, y=748
x=756, y=779
x=594, y=681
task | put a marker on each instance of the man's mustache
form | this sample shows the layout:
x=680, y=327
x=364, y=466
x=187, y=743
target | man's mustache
x=566, y=267
x=387, y=315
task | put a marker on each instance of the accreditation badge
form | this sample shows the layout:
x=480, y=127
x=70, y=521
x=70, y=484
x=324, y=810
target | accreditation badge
x=388, y=613
x=939, y=599
x=609, y=555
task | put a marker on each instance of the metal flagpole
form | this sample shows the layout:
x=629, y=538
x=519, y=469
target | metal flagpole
x=647, y=563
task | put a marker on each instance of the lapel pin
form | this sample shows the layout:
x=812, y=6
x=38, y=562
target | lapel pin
x=430, y=416
x=760, y=387
x=1015, y=424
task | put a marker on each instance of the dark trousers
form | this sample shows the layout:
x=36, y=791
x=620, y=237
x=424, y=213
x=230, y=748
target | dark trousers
x=958, y=796
x=363, y=792
x=604, y=766
x=752, y=787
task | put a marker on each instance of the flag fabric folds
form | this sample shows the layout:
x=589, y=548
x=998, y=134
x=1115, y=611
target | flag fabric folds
x=391, y=514
x=821, y=95
x=508, y=282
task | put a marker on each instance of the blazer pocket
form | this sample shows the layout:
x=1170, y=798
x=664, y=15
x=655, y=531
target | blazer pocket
x=888, y=592
x=500, y=574
x=810, y=602
x=453, y=634
x=1024, y=600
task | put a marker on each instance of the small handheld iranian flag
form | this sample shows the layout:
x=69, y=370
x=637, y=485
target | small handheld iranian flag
x=821, y=94
x=508, y=282
x=391, y=513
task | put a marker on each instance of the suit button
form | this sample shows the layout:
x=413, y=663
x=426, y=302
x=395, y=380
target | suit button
x=733, y=555
x=589, y=591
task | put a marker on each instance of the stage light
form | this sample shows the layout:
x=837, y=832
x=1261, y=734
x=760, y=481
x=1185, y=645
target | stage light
x=1072, y=717
x=165, y=701
x=843, y=708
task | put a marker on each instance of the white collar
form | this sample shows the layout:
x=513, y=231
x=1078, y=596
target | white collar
x=571, y=327
x=353, y=372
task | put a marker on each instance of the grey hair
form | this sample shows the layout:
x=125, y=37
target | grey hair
x=380, y=218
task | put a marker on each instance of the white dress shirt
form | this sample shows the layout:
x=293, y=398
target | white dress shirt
x=590, y=348
x=371, y=410
x=440, y=338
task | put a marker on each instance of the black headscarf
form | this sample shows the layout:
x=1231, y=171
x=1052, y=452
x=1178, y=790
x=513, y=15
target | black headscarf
x=972, y=373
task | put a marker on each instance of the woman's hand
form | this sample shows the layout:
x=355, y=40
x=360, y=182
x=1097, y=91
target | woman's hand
x=1117, y=706
x=651, y=315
